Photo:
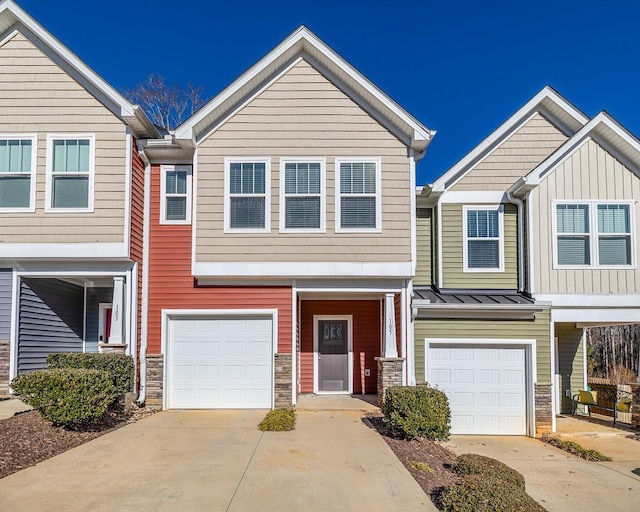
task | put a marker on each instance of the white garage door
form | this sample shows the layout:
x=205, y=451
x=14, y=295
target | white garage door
x=486, y=386
x=220, y=363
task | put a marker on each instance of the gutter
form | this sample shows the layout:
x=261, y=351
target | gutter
x=520, y=204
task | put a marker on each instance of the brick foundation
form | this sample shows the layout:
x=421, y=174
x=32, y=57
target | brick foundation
x=389, y=374
x=283, y=392
x=112, y=348
x=544, y=411
x=155, y=380
x=4, y=368
x=635, y=406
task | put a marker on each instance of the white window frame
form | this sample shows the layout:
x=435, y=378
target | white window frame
x=283, y=194
x=267, y=194
x=594, y=234
x=49, y=171
x=163, y=193
x=465, y=238
x=32, y=176
x=378, y=195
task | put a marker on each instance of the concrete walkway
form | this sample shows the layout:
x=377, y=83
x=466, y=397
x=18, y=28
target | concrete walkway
x=12, y=406
x=219, y=461
x=560, y=481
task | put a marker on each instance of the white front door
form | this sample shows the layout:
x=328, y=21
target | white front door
x=220, y=362
x=486, y=387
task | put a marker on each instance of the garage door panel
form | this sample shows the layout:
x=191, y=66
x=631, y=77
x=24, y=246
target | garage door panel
x=485, y=385
x=220, y=363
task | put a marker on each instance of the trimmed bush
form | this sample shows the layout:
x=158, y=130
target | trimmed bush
x=68, y=397
x=119, y=366
x=474, y=464
x=481, y=493
x=417, y=411
x=278, y=420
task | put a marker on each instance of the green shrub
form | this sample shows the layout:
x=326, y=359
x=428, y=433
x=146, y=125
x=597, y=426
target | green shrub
x=417, y=411
x=474, y=464
x=481, y=493
x=576, y=449
x=119, y=366
x=69, y=397
x=278, y=420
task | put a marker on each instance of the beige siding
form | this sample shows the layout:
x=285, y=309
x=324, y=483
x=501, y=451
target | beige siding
x=37, y=96
x=457, y=329
x=303, y=114
x=590, y=173
x=453, y=274
x=570, y=362
x=515, y=157
x=423, y=235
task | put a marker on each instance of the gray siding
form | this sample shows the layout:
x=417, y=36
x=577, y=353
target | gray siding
x=94, y=297
x=50, y=320
x=6, y=283
x=570, y=362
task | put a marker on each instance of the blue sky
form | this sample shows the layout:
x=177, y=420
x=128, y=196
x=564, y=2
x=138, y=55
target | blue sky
x=460, y=67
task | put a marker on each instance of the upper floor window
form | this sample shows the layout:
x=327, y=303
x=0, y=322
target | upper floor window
x=592, y=234
x=358, y=195
x=70, y=163
x=247, y=195
x=483, y=239
x=17, y=172
x=175, y=193
x=302, y=201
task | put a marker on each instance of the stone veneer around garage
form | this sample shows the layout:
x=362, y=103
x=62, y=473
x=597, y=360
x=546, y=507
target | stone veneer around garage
x=4, y=368
x=543, y=409
x=282, y=375
x=155, y=381
x=389, y=374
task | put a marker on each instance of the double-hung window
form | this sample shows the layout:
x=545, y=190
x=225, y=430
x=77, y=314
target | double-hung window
x=302, y=202
x=247, y=195
x=593, y=234
x=175, y=207
x=17, y=172
x=483, y=239
x=358, y=195
x=70, y=164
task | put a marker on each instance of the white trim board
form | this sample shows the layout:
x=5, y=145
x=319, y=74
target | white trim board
x=33, y=137
x=296, y=269
x=283, y=195
x=584, y=300
x=603, y=315
x=67, y=251
x=163, y=193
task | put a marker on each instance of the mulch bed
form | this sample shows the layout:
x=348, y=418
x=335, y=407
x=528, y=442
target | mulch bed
x=26, y=439
x=432, y=453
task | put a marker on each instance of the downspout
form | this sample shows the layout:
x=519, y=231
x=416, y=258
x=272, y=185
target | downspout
x=520, y=204
x=145, y=276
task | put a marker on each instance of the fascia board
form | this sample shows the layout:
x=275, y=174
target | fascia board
x=463, y=166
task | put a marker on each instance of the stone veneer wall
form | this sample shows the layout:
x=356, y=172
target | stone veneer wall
x=4, y=368
x=283, y=373
x=635, y=406
x=544, y=412
x=389, y=374
x=155, y=380
x=112, y=348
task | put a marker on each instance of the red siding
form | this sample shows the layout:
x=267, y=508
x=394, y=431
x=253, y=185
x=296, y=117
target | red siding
x=172, y=286
x=366, y=338
x=137, y=227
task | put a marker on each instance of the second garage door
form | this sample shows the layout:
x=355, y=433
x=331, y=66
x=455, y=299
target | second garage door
x=486, y=387
x=224, y=362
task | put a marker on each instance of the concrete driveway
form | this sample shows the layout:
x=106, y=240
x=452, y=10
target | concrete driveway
x=560, y=481
x=219, y=461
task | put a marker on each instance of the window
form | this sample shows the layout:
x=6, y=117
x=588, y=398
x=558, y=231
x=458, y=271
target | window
x=17, y=172
x=247, y=195
x=483, y=242
x=302, y=195
x=70, y=161
x=358, y=195
x=591, y=234
x=175, y=190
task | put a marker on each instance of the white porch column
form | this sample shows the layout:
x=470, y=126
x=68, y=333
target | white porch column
x=390, y=348
x=117, y=311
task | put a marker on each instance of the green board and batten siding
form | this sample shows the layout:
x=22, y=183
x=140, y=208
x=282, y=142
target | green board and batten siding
x=423, y=233
x=570, y=362
x=457, y=329
x=452, y=257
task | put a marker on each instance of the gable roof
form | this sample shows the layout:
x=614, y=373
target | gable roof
x=13, y=17
x=562, y=113
x=604, y=130
x=304, y=44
